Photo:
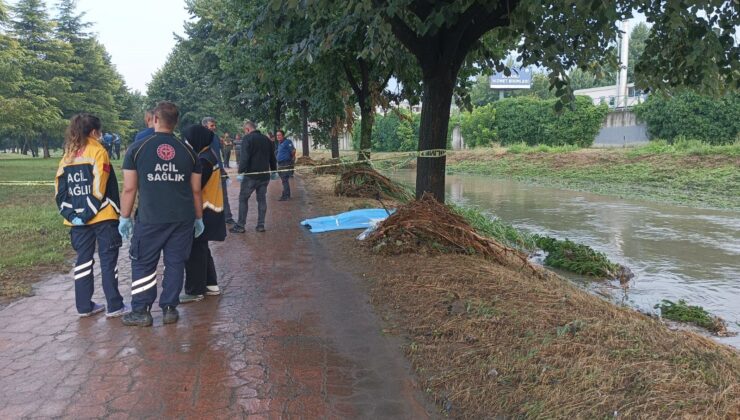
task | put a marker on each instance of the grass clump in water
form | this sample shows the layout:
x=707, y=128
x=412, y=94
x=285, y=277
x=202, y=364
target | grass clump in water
x=579, y=259
x=683, y=312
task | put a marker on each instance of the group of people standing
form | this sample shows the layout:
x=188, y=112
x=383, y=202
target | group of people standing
x=180, y=185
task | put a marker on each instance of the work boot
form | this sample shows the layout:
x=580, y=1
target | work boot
x=140, y=318
x=170, y=315
x=186, y=298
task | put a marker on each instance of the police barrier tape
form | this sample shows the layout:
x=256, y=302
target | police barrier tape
x=432, y=153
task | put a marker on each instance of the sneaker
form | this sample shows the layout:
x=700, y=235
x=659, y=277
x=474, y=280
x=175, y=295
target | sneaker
x=95, y=310
x=213, y=290
x=237, y=229
x=170, y=315
x=186, y=298
x=283, y=198
x=140, y=318
x=115, y=314
x=260, y=228
x=230, y=221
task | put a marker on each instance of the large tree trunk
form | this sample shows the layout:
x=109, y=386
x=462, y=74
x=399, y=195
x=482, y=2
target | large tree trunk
x=24, y=148
x=334, y=140
x=45, y=144
x=367, y=118
x=304, y=124
x=435, y=118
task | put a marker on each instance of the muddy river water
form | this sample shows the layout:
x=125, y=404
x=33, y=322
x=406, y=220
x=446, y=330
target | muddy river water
x=675, y=252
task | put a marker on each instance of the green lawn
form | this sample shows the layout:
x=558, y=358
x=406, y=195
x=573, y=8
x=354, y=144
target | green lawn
x=33, y=238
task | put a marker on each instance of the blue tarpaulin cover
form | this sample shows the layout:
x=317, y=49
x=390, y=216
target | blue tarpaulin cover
x=355, y=219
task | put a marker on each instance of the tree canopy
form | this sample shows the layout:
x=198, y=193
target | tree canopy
x=285, y=60
x=52, y=69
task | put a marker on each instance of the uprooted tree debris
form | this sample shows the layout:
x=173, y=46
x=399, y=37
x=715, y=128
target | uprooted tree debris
x=360, y=180
x=427, y=224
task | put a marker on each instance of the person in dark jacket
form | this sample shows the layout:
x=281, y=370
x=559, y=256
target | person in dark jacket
x=256, y=160
x=200, y=271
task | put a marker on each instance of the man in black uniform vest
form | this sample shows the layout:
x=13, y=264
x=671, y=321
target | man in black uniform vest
x=166, y=173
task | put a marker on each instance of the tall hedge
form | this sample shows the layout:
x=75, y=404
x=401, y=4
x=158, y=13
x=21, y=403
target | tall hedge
x=533, y=121
x=478, y=128
x=688, y=114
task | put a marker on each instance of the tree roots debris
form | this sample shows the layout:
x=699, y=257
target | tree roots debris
x=429, y=225
x=360, y=180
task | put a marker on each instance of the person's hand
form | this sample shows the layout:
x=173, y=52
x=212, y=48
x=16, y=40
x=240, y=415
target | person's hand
x=228, y=181
x=274, y=175
x=240, y=178
x=199, y=227
x=77, y=222
x=124, y=227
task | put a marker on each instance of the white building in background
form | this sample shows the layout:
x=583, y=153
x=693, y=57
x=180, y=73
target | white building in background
x=609, y=95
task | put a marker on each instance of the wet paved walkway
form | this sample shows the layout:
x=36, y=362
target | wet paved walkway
x=290, y=337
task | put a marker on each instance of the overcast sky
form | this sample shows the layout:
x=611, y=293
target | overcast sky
x=138, y=34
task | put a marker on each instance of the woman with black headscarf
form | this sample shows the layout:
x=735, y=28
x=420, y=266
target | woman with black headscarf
x=200, y=272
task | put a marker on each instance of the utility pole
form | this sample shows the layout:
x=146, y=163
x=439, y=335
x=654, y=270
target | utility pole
x=623, y=58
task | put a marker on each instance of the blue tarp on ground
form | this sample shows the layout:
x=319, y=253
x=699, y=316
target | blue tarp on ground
x=355, y=219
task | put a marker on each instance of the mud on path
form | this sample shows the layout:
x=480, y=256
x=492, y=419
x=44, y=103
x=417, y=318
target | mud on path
x=292, y=336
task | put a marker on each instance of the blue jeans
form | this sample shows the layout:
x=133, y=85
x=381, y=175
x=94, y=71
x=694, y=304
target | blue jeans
x=250, y=185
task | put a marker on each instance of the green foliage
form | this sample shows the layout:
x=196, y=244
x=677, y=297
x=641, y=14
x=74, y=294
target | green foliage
x=689, y=114
x=52, y=69
x=577, y=258
x=496, y=228
x=683, y=312
x=683, y=146
x=534, y=121
x=479, y=126
x=540, y=148
x=395, y=131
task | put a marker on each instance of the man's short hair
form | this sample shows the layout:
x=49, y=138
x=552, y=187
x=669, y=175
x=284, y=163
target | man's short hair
x=281, y=132
x=168, y=113
x=250, y=124
x=207, y=120
x=149, y=112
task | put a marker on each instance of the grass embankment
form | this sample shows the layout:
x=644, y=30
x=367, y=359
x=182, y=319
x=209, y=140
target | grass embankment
x=33, y=239
x=491, y=339
x=689, y=173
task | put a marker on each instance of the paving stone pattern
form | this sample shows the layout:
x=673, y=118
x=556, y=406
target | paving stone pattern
x=291, y=337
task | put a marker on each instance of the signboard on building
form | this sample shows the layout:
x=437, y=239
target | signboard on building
x=519, y=79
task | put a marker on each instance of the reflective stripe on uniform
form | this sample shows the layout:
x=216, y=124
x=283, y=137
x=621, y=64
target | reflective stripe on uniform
x=144, y=280
x=92, y=207
x=83, y=266
x=83, y=274
x=145, y=287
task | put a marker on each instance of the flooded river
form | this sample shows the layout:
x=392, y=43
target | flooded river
x=675, y=252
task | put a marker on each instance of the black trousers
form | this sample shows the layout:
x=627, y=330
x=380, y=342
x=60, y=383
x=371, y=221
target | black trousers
x=199, y=269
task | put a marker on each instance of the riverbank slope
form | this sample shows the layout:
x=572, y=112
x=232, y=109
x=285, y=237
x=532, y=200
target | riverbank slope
x=707, y=177
x=489, y=340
